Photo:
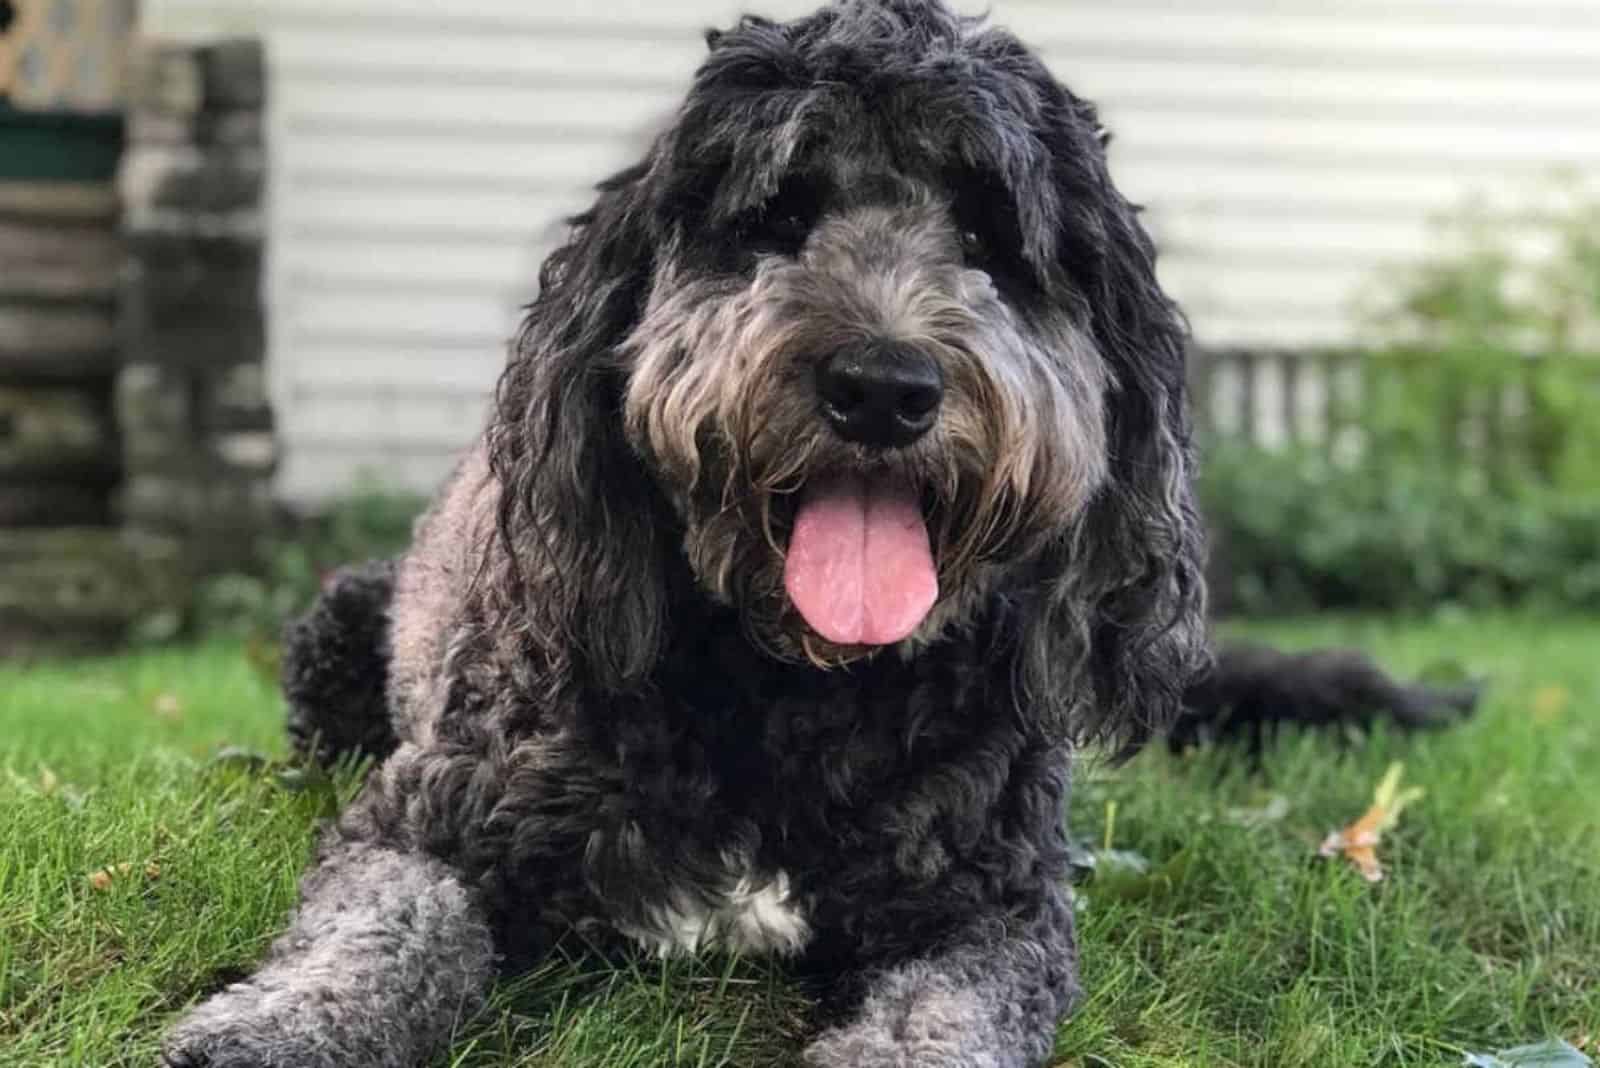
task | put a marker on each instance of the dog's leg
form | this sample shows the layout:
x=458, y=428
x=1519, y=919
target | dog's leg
x=990, y=998
x=387, y=953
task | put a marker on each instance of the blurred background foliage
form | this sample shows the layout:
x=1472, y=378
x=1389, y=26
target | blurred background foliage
x=1467, y=472
x=298, y=557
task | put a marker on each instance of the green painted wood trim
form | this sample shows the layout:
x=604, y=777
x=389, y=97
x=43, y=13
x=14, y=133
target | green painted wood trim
x=57, y=146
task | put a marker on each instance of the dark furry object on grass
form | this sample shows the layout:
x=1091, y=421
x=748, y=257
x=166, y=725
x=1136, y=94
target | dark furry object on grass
x=838, y=487
x=1252, y=690
x=335, y=663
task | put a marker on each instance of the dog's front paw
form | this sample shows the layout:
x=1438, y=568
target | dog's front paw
x=939, y=1031
x=210, y=1051
x=243, y=1028
x=920, y=1045
x=916, y=1020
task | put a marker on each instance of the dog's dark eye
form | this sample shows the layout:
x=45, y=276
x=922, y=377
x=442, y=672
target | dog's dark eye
x=784, y=222
x=982, y=248
x=785, y=233
x=974, y=249
x=985, y=219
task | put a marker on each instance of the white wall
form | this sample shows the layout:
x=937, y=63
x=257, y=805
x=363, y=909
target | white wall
x=1288, y=150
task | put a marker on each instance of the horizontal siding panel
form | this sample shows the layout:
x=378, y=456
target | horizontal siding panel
x=325, y=170
x=1477, y=12
x=449, y=55
x=1310, y=39
x=409, y=420
x=330, y=258
x=426, y=213
x=1195, y=32
x=1373, y=140
x=566, y=163
x=614, y=18
x=295, y=334
x=1263, y=326
x=1297, y=190
x=1231, y=236
x=1409, y=93
x=1323, y=242
x=311, y=470
x=631, y=15
x=338, y=369
x=1210, y=290
x=469, y=318
x=332, y=103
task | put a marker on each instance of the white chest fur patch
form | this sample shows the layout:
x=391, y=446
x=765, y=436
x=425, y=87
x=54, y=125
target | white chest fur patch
x=750, y=917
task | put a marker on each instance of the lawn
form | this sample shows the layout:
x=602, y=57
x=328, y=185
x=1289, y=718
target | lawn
x=138, y=872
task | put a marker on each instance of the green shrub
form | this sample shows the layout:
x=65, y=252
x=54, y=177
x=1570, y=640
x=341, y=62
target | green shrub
x=1295, y=531
x=371, y=523
x=1467, y=471
x=1489, y=351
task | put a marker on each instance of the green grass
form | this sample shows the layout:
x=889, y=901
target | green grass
x=1485, y=934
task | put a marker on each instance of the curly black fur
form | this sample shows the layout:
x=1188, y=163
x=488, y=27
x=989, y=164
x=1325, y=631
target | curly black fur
x=336, y=658
x=605, y=714
x=336, y=665
x=1252, y=690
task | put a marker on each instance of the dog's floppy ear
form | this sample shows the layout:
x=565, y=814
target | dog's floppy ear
x=1126, y=604
x=578, y=514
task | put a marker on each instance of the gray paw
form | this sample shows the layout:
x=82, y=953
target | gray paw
x=866, y=1048
x=928, y=1023
x=915, y=1040
x=240, y=1029
x=185, y=1056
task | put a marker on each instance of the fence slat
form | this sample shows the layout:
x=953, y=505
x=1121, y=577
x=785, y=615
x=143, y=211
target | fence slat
x=1249, y=424
x=1321, y=398
x=1289, y=401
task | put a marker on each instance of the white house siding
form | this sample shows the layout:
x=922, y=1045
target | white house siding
x=1289, y=151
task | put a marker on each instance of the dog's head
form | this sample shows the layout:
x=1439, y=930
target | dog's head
x=872, y=344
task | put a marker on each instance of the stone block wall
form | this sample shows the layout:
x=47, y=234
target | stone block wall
x=67, y=576
x=198, y=447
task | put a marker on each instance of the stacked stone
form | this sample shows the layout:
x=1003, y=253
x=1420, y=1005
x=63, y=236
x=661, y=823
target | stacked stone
x=63, y=568
x=191, y=399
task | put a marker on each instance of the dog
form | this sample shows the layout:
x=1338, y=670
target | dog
x=837, y=491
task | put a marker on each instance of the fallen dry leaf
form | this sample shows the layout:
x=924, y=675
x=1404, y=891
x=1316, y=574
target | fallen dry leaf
x=102, y=879
x=1549, y=702
x=167, y=706
x=1359, y=841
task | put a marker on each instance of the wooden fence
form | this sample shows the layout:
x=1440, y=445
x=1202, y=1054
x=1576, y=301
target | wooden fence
x=1509, y=408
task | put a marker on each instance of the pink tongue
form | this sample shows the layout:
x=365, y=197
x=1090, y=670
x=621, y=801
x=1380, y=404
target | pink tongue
x=859, y=569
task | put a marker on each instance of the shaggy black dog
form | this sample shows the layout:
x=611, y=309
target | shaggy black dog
x=837, y=488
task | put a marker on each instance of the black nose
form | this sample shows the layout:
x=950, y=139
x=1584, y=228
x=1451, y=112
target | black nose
x=880, y=393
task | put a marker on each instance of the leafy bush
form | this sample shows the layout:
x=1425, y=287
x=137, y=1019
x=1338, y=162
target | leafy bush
x=1467, y=470
x=1489, y=351
x=1294, y=531
x=370, y=523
